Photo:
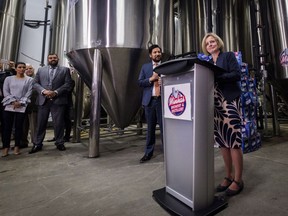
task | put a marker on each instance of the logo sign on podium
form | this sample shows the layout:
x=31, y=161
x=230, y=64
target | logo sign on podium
x=177, y=101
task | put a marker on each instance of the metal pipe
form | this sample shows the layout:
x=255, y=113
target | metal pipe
x=139, y=122
x=219, y=18
x=94, y=132
x=209, y=16
x=11, y=18
x=254, y=33
x=263, y=90
x=78, y=110
x=276, y=127
x=44, y=32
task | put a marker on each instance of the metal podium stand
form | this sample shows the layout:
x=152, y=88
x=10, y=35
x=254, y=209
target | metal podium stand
x=188, y=110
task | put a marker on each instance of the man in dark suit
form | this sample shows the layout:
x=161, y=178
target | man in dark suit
x=151, y=100
x=68, y=115
x=3, y=74
x=52, y=83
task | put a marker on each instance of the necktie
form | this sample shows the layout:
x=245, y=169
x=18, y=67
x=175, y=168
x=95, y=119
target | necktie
x=51, y=75
x=156, y=85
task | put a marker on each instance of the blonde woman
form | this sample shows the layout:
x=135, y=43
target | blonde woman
x=227, y=113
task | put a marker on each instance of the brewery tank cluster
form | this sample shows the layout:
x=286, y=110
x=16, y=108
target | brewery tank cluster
x=122, y=30
x=278, y=47
x=11, y=20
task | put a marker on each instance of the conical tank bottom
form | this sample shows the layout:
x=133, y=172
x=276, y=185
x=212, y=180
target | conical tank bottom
x=121, y=95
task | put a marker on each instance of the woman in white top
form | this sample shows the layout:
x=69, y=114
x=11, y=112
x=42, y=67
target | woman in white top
x=17, y=91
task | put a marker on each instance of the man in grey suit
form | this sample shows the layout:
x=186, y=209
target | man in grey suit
x=52, y=82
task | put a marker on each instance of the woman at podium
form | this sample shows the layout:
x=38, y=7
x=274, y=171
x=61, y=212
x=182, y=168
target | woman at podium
x=227, y=113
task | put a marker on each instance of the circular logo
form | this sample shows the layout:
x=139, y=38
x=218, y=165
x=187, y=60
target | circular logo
x=284, y=58
x=177, y=103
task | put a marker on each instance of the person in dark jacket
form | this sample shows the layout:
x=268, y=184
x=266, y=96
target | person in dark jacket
x=227, y=113
x=151, y=100
x=4, y=73
x=52, y=82
x=30, y=121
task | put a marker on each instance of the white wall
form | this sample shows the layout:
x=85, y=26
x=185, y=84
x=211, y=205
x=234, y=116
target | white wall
x=30, y=50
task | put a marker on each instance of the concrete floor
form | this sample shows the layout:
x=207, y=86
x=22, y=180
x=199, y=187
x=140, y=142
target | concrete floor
x=68, y=183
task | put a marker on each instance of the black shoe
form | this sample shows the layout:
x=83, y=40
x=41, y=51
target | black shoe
x=61, y=147
x=52, y=140
x=221, y=188
x=145, y=158
x=35, y=149
x=230, y=192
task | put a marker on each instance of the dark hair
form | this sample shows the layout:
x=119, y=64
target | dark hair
x=19, y=63
x=153, y=47
x=53, y=54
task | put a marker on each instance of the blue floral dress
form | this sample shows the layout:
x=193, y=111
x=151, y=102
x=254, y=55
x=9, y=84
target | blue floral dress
x=227, y=121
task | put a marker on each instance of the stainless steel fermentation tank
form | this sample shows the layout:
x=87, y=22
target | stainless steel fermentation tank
x=278, y=20
x=232, y=20
x=121, y=30
x=278, y=11
x=229, y=19
x=107, y=43
x=11, y=21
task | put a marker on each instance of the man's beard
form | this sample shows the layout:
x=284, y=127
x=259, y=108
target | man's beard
x=157, y=59
x=53, y=63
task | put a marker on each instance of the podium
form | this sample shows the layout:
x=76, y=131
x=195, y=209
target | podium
x=187, y=94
